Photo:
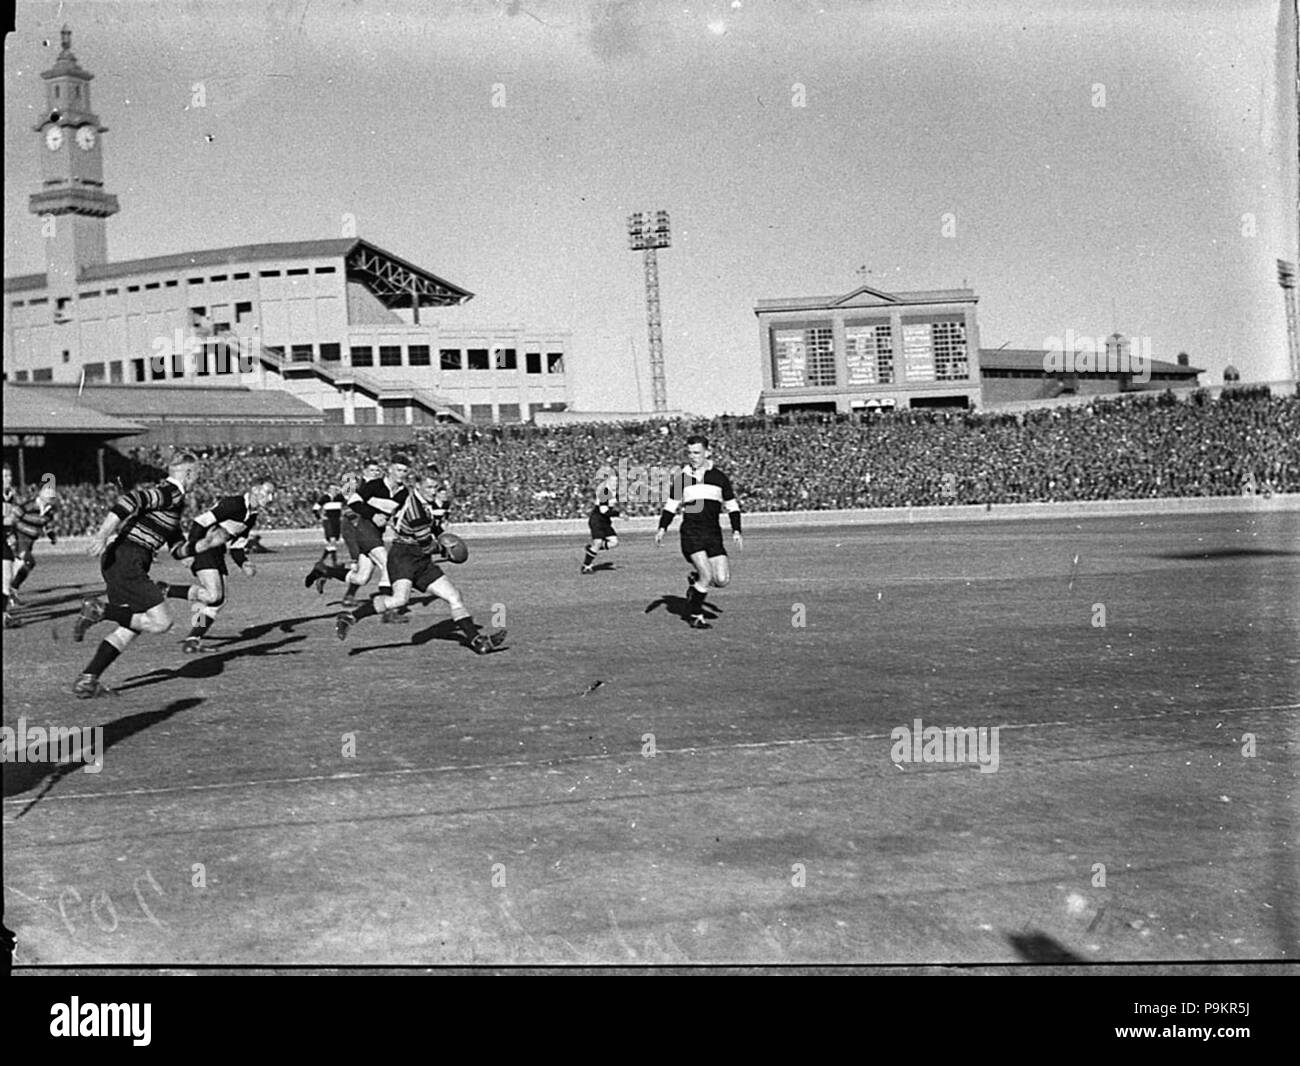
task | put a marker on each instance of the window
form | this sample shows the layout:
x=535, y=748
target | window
x=93, y=372
x=480, y=412
x=221, y=327
x=418, y=354
x=302, y=353
x=509, y=412
x=329, y=353
x=821, y=356
x=61, y=309
x=38, y=301
x=137, y=371
x=240, y=277
x=870, y=354
x=171, y=284
x=158, y=370
x=115, y=372
x=450, y=358
x=555, y=362
x=918, y=352
x=151, y=285
x=194, y=281
x=43, y=375
x=241, y=309
x=364, y=416
x=950, y=351
x=506, y=359
x=216, y=278
x=363, y=357
x=201, y=362
x=133, y=288
x=478, y=358
x=67, y=355
x=533, y=363
x=268, y=273
x=295, y=272
x=110, y=292
x=90, y=295
x=390, y=355
x=324, y=270
x=20, y=375
x=18, y=303
x=333, y=415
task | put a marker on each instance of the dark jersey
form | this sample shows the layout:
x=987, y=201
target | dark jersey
x=151, y=517
x=377, y=497
x=600, y=520
x=700, y=497
x=233, y=514
x=329, y=506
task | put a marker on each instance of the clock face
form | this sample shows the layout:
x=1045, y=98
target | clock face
x=86, y=138
x=54, y=138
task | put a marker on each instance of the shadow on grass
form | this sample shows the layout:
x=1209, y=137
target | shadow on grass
x=204, y=666
x=1228, y=553
x=446, y=629
x=1039, y=947
x=20, y=777
x=676, y=605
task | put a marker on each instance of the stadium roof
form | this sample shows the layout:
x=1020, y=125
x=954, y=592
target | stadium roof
x=182, y=403
x=39, y=409
x=389, y=276
x=1032, y=359
x=865, y=296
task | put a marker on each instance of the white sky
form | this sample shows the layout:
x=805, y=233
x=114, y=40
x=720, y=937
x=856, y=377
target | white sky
x=1069, y=216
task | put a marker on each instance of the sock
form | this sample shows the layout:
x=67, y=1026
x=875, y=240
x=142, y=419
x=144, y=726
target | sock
x=337, y=572
x=19, y=578
x=119, y=613
x=365, y=610
x=178, y=592
x=385, y=590
x=103, y=659
x=201, y=625
x=467, y=627
x=588, y=557
x=332, y=555
x=694, y=602
x=351, y=594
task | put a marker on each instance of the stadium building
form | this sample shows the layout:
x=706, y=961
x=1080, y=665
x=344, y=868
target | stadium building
x=341, y=324
x=871, y=350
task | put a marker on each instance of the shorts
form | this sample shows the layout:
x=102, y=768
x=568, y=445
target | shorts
x=330, y=524
x=601, y=530
x=348, y=529
x=213, y=559
x=125, y=568
x=408, y=563
x=369, y=536
x=708, y=541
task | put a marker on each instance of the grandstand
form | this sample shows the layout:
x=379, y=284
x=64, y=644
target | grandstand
x=341, y=323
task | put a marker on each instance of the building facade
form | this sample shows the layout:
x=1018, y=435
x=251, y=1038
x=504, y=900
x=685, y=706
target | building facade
x=342, y=323
x=869, y=349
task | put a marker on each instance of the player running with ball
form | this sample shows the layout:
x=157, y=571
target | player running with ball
x=413, y=557
x=701, y=492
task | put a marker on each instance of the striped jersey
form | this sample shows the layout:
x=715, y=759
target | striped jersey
x=10, y=509
x=329, y=506
x=151, y=517
x=234, y=514
x=419, y=523
x=33, y=518
x=700, y=497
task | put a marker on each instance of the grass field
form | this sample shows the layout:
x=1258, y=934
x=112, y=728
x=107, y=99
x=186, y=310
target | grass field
x=508, y=809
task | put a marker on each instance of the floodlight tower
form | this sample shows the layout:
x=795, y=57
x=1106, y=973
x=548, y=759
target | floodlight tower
x=1286, y=278
x=647, y=231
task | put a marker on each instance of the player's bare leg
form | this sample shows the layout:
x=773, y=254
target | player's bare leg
x=386, y=605
x=155, y=620
x=9, y=621
x=480, y=641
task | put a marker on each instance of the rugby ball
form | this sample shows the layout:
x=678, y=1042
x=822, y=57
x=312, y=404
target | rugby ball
x=453, y=548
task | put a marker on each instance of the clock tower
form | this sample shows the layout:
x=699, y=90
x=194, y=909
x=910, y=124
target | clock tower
x=72, y=203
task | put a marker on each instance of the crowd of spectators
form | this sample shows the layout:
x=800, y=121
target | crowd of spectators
x=1125, y=448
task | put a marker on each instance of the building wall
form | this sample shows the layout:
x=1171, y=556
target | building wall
x=855, y=355
x=308, y=308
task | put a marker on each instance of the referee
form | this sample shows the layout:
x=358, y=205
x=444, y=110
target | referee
x=140, y=524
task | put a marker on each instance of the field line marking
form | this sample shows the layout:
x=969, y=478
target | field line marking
x=570, y=759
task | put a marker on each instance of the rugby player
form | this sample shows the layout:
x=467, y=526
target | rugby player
x=701, y=492
x=601, y=526
x=227, y=523
x=413, y=563
x=10, y=541
x=329, y=509
x=31, y=520
x=141, y=522
x=361, y=533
